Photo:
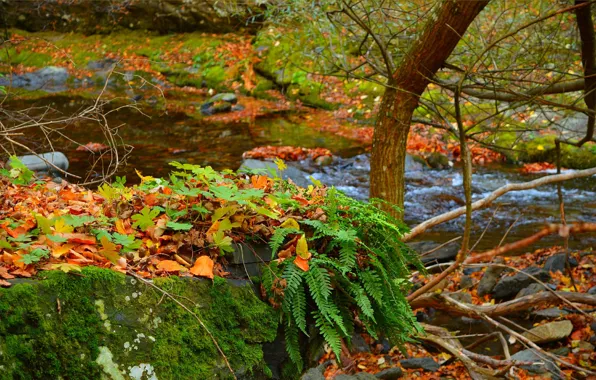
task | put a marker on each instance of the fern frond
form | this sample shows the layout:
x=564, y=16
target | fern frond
x=299, y=309
x=293, y=344
x=362, y=300
x=278, y=237
x=329, y=333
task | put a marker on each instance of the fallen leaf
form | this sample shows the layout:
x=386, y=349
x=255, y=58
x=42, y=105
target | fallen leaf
x=109, y=250
x=64, y=267
x=301, y=263
x=5, y=284
x=79, y=238
x=170, y=266
x=203, y=267
x=302, y=248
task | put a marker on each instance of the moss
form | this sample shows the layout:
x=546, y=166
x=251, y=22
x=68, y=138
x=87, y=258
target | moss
x=39, y=339
x=24, y=57
x=542, y=149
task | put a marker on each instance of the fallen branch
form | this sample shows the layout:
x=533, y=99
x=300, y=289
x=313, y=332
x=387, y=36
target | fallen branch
x=442, y=302
x=496, y=194
x=562, y=229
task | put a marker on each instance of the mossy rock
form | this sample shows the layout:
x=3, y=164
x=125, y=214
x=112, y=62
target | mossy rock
x=101, y=324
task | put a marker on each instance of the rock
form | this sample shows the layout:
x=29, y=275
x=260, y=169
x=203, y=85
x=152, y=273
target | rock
x=443, y=254
x=224, y=97
x=238, y=107
x=438, y=160
x=529, y=290
x=557, y=263
x=463, y=297
x=582, y=345
x=51, y=79
x=466, y=282
x=550, y=332
x=427, y=364
x=39, y=163
x=561, y=351
x=490, y=278
x=546, y=365
x=469, y=271
x=389, y=374
x=592, y=290
x=324, y=160
x=359, y=344
x=386, y=346
x=550, y=313
x=299, y=177
x=413, y=163
x=211, y=108
x=102, y=64
x=509, y=286
x=313, y=374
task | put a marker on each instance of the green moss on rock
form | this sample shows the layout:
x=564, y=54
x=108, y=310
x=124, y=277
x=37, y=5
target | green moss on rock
x=88, y=326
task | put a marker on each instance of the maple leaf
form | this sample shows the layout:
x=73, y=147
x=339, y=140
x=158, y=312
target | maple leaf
x=44, y=224
x=203, y=267
x=224, y=243
x=109, y=250
x=61, y=227
x=144, y=220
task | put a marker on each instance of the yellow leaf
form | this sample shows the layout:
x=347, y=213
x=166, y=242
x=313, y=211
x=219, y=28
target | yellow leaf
x=539, y=147
x=61, y=227
x=302, y=248
x=290, y=223
x=64, y=267
x=109, y=250
x=120, y=227
x=61, y=250
x=203, y=267
x=144, y=178
x=281, y=165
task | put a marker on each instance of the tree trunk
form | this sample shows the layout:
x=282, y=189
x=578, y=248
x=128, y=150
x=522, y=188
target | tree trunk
x=408, y=82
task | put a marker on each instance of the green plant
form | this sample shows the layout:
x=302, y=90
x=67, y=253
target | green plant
x=19, y=174
x=358, y=264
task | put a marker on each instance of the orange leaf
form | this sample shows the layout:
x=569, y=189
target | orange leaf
x=203, y=267
x=151, y=199
x=123, y=227
x=5, y=284
x=79, y=238
x=259, y=181
x=301, y=263
x=169, y=266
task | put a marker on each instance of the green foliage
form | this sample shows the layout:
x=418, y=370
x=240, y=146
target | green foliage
x=35, y=255
x=144, y=220
x=19, y=174
x=359, y=264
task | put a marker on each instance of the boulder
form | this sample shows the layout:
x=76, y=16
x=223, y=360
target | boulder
x=41, y=162
x=426, y=364
x=542, y=366
x=359, y=344
x=443, y=254
x=463, y=297
x=108, y=325
x=390, y=374
x=557, y=263
x=211, y=108
x=550, y=332
x=438, y=160
x=490, y=278
x=509, y=286
x=529, y=290
x=224, y=97
x=466, y=282
x=413, y=163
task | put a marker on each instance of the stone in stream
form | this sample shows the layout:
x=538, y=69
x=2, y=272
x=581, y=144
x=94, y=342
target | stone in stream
x=550, y=313
x=557, y=263
x=220, y=103
x=529, y=290
x=509, y=286
x=542, y=365
x=427, y=364
x=490, y=278
x=50, y=78
x=550, y=332
x=41, y=163
x=438, y=160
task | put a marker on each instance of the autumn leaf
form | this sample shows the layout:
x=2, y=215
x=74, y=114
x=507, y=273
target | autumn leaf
x=301, y=263
x=64, y=267
x=5, y=284
x=259, y=181
x=79, y=238
x=61, y=227
x=302, y=248
x=203, y=267
x=144, y=220
x=109, y=250
x=170, y=266
x=290, y=223
x=61, y=250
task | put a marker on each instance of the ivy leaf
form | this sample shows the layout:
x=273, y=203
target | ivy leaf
x=179, y=226
x=144, y=220
x=109, y=250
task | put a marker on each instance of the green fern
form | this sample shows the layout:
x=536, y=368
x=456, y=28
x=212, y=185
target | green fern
x=292, y=335
x=332, y=337
x=278, y=237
